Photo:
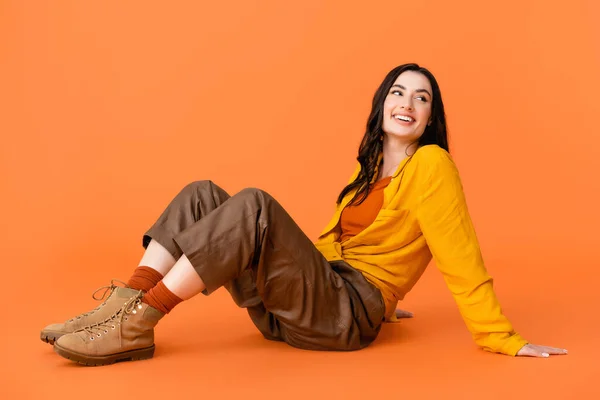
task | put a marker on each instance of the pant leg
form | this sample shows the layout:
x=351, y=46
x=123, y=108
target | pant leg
x=195, y=201
x=296, y=295
x=192, y=203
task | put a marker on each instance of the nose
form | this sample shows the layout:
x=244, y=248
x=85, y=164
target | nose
x=407, y=106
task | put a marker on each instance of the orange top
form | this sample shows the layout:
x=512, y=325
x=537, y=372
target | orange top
x=356, y=218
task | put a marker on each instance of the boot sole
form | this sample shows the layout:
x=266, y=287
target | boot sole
x=131, y=355
x=50, y=338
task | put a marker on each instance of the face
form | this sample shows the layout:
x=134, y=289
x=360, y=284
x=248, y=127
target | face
x=407, y=106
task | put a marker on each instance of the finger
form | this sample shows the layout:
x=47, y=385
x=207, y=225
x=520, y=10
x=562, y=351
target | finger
x=532, y=351
x=529, y=352
x=553, y=350
x=403, y=314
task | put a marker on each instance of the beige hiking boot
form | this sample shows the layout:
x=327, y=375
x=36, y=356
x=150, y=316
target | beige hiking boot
x=127, y=336
x=117, y=297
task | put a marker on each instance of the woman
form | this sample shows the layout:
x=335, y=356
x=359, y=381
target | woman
x=403, y=204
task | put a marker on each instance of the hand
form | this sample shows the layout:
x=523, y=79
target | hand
x=533, y=350
x=403, y=314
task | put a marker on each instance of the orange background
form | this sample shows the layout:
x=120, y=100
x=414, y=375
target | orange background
x=108, y=108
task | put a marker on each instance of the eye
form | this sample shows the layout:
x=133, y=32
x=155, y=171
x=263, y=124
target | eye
x=396, y=92
x=422, y=98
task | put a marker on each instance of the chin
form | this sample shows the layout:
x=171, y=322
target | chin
x=402, y=135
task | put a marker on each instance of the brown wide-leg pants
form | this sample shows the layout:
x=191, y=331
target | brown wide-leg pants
x=249, y=244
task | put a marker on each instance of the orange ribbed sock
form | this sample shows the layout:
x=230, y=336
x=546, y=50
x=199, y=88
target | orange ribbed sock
x=144, y=278
x=161, y=298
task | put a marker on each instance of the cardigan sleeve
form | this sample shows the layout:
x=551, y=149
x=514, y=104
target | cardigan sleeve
x=448, y=230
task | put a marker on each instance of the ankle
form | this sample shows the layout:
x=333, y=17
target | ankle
x=161, y=298
x=144, y=278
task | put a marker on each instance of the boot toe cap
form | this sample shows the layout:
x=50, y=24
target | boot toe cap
x=52, y=332
x=54, y=328
x=71, y=341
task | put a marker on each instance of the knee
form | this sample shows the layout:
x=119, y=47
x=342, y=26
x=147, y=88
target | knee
x=195, y=186
x=205, y=190
x=257, y=193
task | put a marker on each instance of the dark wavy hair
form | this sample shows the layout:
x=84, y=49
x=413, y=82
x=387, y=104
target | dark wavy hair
x=372, y=142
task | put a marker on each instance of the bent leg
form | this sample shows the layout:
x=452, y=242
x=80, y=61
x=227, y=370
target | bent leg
x=192, y=203
x=251, y=238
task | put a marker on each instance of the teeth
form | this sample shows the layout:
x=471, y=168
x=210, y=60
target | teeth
x=403, y=118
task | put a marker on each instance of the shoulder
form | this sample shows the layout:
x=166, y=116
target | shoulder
x=432, y=152
x=433, y=157
x=433, y=163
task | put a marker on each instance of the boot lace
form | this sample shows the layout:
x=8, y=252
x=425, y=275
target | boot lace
x=106, y=292
x=116, y=320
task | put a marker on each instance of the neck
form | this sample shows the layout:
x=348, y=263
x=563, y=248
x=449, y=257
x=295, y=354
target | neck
x=395, y=150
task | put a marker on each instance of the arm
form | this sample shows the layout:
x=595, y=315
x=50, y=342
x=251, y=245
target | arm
x=447, y=227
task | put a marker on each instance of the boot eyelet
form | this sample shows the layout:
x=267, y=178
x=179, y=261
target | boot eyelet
x=139, y=306
x=126, y=319
x=112, y=327
x=105, y=331
x=99, y=335
x=134, y=311
x=92, y=338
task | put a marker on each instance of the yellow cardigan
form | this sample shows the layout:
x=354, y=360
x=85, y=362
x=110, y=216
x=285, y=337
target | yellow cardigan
x=424, y=214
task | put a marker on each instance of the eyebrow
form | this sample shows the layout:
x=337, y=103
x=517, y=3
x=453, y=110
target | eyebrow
x=417, y=91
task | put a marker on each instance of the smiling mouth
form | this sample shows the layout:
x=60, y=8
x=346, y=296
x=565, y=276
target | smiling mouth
x=405, y=119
